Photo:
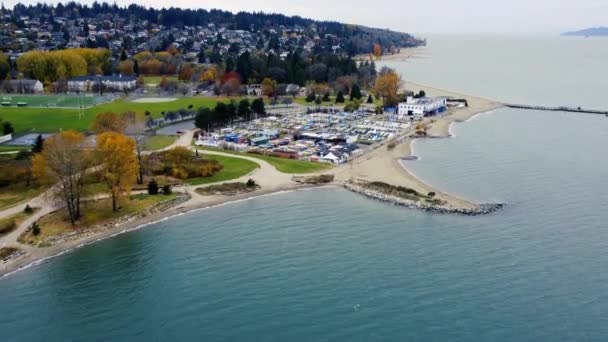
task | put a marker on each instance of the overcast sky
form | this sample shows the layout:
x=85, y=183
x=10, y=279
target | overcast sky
x=425, y=16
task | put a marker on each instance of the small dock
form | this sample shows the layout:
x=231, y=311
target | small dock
x=557, y=109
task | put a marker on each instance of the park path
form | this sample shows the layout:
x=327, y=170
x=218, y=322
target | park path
x=266, y=175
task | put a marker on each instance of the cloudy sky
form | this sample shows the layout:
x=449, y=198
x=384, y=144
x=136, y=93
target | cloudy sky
x=426, y=16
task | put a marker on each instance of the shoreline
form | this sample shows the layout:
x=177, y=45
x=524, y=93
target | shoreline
x=379, y=164
x=32, y=256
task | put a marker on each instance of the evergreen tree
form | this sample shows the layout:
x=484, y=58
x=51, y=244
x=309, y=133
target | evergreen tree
x=123, y=55
x=258, y=106
x=355, y=92
x=38, y=144
x=311, y=96
x=370, y=99
x=243, y=110
x=152, y=187
x=340, y=97
x=229, y=64
x=7, y=128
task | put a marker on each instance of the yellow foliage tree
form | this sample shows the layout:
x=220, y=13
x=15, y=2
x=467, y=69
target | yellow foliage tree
x=387, y=85
x=50, y=66
x=119, y=164
x=268, y=87
x=109, y=122
x=64, y=162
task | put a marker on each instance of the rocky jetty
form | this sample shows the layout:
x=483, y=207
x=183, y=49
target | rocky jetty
x=480, y=209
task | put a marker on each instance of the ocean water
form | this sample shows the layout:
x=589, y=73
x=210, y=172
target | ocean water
x=329, y=265
x=556, y=71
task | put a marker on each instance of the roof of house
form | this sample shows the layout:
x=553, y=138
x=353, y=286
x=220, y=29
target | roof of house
x=112, y=78
x=23, y=82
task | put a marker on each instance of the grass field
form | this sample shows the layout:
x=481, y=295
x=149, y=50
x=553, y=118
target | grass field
x=15, y=194
x=48, y=120
x=61, y=100
x=10, y=223
x=94, y=213
x=152, y=81
x=156, y=142
x=233, y=168
x=10, y=148
x=283, y=165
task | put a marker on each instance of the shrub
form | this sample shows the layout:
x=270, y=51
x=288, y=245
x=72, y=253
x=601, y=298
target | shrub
x=431, y=194
x=35, y=228
x=167, y=189
x=152, y=187
x=28, y=209
x=311, y=97
x=391, y=145
x=251, y=183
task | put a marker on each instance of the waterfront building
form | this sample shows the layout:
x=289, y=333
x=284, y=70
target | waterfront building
x=418, y=108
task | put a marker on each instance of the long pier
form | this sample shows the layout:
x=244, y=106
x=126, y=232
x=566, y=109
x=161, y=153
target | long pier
x=557, y=109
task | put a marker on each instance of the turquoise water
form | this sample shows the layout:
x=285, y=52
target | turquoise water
x=329, y=265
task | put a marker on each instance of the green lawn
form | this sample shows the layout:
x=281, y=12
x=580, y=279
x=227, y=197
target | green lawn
x=283, y=165
x=233, y=168
x=10, y=148
x=156, y=142
x=10, y=223
x=155, y=80
x=16, y=194
x=93, y=213
x=48, y=120
x=58, y=100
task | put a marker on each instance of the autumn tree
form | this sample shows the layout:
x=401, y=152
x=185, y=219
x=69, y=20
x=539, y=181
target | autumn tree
x=64, y=162
x=119, y=164
x=231, y=87
x=109, y=122
x=163, y=82
x=126, y=67
x=377, y=50
x=136, y=129
x=387, y=85
x=185, y=72
x=268, y=87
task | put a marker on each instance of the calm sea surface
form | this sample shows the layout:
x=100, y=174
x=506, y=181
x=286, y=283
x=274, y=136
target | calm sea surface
x=328, y=265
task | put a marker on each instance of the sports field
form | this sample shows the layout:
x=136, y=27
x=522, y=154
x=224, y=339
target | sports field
x=51, y=101
x=48, y=120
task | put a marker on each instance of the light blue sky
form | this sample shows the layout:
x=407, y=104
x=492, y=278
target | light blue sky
x=427, y=16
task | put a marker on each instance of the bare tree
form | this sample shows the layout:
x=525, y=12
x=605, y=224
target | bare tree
x=136, y=129
x=65, y=162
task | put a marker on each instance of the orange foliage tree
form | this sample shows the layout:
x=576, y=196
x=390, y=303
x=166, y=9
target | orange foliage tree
x=387, y=85
x=119, y=164
x=377, y=50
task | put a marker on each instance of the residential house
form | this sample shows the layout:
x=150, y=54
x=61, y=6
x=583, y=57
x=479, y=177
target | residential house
x=25, y=86
x=114, y=82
